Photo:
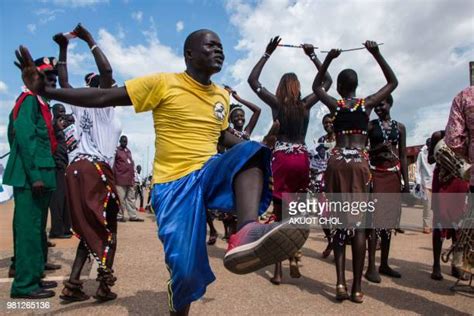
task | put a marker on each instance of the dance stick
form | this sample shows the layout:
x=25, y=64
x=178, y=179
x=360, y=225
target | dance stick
x=349, y=50
x=292, y=46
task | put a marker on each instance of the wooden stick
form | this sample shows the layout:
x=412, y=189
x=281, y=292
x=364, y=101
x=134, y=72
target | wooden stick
x=349, y=50
x=292, y=46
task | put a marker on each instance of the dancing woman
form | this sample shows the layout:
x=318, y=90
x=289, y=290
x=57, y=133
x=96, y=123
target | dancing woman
x=91, y=192
x=348, y=169
x=290, y=161
x=388, y=164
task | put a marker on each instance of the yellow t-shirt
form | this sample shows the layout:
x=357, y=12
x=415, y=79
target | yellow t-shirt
x=188, y=119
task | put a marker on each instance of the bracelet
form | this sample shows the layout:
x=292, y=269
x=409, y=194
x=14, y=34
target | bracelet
x=61, y=62
x=313, y=56
x=93, y=47
x=266, y=55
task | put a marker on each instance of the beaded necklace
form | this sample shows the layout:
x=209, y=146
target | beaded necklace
x=385, y=134
x=342, y=105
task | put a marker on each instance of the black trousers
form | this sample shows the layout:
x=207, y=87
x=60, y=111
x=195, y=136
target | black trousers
x=60, y=216
x=139, y=193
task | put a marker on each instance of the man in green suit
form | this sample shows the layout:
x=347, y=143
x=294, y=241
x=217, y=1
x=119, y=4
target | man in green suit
x=31, y=171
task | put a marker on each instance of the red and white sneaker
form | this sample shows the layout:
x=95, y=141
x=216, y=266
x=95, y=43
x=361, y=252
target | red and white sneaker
x=257, y=245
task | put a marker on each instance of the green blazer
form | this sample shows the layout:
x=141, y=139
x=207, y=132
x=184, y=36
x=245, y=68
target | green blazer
x=30, y=157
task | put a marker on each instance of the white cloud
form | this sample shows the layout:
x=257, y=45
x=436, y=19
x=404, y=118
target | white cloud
x=138, y=60
x=429, y=59
x=31, y=28
x=3, y=87
x=137, y=16
x=75, y=3
x=179, y=26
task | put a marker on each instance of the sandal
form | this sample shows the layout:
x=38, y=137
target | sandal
x=357, y=297
x=72, y=292
x=341, y=292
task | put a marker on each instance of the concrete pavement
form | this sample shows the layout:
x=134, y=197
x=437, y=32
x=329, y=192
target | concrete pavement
x=142, y=276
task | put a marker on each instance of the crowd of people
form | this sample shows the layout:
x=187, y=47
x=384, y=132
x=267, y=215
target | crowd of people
x=206, y=164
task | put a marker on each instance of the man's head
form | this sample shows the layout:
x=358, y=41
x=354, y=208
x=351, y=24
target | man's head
x=123, y=141
x=47, y=65
x=59, y=110
x=139, y=168
x=347, y=82
x=203, y=52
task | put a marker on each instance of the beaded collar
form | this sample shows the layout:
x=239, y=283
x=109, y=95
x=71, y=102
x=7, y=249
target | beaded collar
x=341, y=104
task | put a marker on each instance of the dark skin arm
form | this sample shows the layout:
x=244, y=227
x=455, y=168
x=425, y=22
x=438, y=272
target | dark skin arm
x=318, y=87
x=254, y=108
x=312, y=98
x=85, y=97
x=63, y=76
x=266, y=96
x=402, y=153
x=227, y=139
x=103, y=65
x=392, y=82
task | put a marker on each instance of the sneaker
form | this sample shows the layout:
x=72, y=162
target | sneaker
x=258, y=245
x=136, y=219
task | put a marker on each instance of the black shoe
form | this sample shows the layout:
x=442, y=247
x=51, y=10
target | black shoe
x=136, y=219
x=51, y=244
x=399, y=230
x=36, y=295
x=123, y=220
x=389, y=272
x=48, y=284
x=373, y=277
x=51, y=266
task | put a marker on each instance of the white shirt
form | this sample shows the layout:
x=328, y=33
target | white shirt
x=97, y=132
x=424, y=171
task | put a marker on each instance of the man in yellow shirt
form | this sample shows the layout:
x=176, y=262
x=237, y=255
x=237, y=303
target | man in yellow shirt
x=190, y=115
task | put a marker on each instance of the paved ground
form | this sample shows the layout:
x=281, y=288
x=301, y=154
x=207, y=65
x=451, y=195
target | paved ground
x=142, y=276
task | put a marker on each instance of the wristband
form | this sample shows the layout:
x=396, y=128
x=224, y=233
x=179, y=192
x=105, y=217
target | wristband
x=313, y=56
x=93, y=47
x=61, y=62
x=266, y=55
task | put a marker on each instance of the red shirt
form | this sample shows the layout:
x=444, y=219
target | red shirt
x=124, y=168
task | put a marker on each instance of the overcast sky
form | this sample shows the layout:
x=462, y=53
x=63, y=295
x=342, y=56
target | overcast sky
x=428, y=44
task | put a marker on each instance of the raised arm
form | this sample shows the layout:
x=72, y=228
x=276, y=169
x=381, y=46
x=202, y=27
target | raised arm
x=402, y=153
x=392, y=81
x=254, y=108
x=253, y=80
x=103, y=65
x=312, y=98
x=35, y=81
x=63, y=77
x=318, y=87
